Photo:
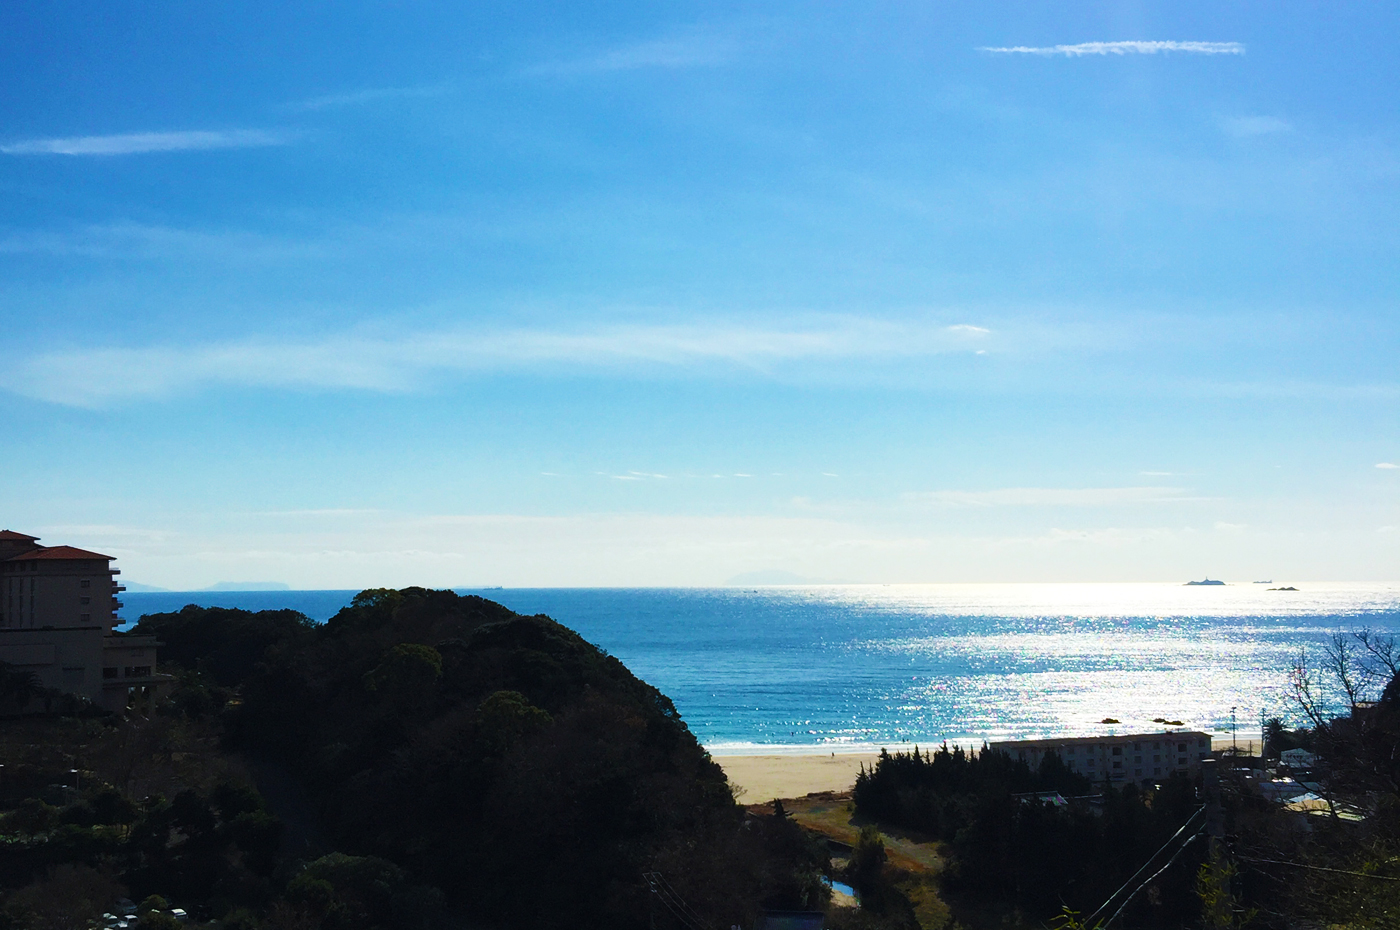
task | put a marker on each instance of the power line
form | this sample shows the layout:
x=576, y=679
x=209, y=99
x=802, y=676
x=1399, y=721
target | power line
x=1200, y=812
x=1319, y=868
x=674, y=902
x=1129, y=899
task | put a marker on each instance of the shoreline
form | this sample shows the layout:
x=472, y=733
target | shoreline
x=796, y=771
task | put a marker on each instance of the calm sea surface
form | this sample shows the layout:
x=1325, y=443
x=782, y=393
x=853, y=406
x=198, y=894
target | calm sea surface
x=850, y=667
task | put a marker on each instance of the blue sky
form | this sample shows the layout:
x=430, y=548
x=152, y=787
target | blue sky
x=358, y=294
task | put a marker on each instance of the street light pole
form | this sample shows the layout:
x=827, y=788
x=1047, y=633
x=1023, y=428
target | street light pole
x=1234, y=743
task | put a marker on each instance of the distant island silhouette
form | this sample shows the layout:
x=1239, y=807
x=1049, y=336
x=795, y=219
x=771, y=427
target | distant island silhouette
x=136, y=587
x=1204, y=581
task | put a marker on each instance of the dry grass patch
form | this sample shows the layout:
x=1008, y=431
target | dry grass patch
x=913, y=858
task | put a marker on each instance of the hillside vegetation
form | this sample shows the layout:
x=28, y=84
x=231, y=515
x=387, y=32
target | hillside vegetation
x=425, y=760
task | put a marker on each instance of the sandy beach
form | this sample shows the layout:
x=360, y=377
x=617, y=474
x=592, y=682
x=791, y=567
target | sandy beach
x=763, y=778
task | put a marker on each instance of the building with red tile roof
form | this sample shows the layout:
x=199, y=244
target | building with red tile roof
x=58, y=618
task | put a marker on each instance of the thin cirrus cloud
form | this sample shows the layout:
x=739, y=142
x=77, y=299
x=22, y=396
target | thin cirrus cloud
x=1119, y=48
x=369, y=95
x=1051, y=497
x=1387, y=465
x=1244, y=127
x=128, y=240
x=134, y=143
x=690, y=51
x=367, y=361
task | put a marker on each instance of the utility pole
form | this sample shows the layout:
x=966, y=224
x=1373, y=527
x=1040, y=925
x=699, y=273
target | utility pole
x=1215, y=812
x=1222, y=912
x=1234, y=743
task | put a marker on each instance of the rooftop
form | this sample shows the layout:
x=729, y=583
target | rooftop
x=57, y=552
x=1090, y=740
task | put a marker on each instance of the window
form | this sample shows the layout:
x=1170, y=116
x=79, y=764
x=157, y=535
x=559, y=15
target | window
x=109, y=673
x=1118, y=765
x=84, y=618
x=84, y=600
x=136, y=671
x=1137, y=771
x=1117, y=750
x=85, y=583
x=1181, y=747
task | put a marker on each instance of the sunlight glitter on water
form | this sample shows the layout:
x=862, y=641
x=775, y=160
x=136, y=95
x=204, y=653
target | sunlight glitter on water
x=973, y=662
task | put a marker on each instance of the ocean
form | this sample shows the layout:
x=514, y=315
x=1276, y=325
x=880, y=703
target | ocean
x=855, y=667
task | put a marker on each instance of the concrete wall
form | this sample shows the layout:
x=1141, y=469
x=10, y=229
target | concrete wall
x=68, y=659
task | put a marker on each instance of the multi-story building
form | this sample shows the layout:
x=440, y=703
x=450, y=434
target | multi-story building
x=58, y=617
x=1140, y=758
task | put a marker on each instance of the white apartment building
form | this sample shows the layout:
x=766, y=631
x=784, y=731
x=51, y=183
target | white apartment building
x=58, y=614
x=1140, y=758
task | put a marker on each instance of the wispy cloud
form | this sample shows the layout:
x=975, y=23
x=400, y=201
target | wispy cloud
x=134, y=143
x=371, y=361
x=700, y=49
x=1119, y=48
x=1387, y=465
x=1051, y=497
x=368, y=95
x=1244, y=127
x=126, y=240
x=318, y=512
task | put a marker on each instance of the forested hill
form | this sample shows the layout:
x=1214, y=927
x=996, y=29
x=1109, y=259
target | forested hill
x=501, y=759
